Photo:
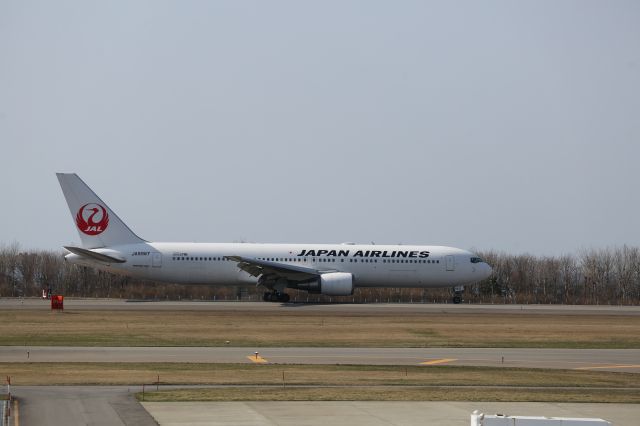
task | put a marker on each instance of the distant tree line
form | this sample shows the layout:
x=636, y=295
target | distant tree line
x=597, y=276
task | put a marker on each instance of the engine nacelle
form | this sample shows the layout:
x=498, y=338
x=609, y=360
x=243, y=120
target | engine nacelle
x=336, y=284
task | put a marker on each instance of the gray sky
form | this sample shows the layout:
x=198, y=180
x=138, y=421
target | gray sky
x=503, y=125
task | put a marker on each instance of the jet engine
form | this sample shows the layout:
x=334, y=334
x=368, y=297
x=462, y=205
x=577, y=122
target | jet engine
x=331, y=284
x=336, y=284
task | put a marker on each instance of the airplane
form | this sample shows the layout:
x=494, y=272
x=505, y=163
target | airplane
x=109, y=245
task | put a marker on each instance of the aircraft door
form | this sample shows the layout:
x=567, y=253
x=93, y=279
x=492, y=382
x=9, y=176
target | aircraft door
x=449, y=262
x=156, y=260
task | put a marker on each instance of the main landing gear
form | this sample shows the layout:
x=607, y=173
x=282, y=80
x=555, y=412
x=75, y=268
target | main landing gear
x=276, y=296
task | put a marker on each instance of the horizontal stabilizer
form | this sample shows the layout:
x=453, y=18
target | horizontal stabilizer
x=94, y=255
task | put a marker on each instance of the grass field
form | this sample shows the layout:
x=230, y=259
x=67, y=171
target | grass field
x=307, y=375
x=395, y=394
x=294, y=328
x=242, y=382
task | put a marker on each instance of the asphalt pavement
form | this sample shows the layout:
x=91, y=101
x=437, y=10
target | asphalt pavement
x=80, y=405
x=596, y=359
x=269, y=307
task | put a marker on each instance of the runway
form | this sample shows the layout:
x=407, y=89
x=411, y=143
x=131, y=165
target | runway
x=372, y=308
x=597, y=359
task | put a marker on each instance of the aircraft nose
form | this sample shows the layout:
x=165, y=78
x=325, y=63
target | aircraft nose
x=486, y=270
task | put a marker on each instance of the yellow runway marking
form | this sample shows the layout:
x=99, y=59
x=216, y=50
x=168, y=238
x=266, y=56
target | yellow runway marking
x=596, y=367
x=438, y=361
x=257, y=359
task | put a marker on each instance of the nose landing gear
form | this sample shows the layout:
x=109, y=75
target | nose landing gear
x=457, y=294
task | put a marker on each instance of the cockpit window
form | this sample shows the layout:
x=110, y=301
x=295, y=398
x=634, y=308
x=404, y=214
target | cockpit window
x=476, y=260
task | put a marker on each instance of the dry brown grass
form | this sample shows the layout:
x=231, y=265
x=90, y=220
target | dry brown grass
x=320, y=375
x=338, y=382
x=393, y=394
x=303, y=328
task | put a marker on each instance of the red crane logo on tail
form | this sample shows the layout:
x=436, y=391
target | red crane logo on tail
x=92, y=219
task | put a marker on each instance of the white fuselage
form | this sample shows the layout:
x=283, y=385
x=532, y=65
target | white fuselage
x=370, y=265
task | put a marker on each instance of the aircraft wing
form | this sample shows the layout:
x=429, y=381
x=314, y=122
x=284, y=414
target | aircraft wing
x=257, y=267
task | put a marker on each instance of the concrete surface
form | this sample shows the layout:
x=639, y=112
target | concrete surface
x=358, y=413
x=80, y=405
x=598, y=359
